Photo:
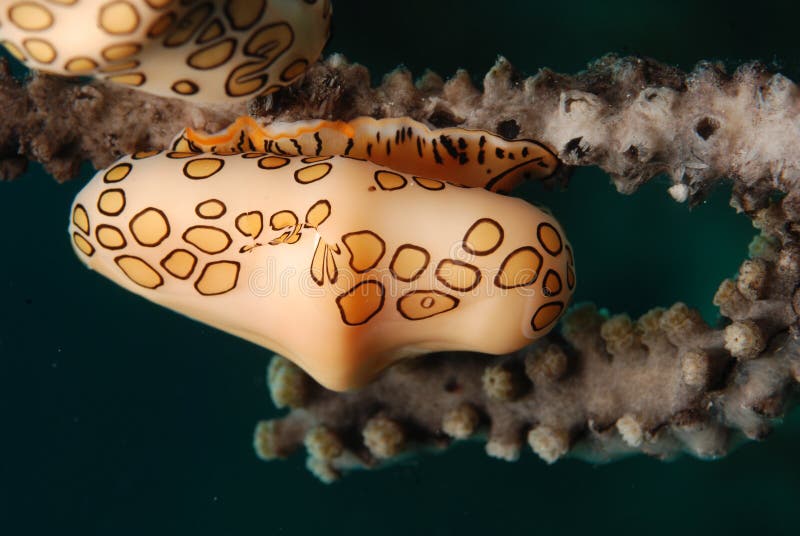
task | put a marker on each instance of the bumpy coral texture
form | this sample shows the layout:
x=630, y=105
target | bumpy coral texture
x=605, y=385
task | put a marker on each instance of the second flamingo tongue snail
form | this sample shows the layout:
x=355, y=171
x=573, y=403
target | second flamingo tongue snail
x=212, y=52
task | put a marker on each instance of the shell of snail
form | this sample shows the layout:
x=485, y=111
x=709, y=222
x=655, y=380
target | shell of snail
x=341, y=264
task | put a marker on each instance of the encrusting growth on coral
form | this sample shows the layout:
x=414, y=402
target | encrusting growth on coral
x=604, y=385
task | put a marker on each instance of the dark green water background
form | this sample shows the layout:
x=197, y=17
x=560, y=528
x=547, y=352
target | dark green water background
x=119, y=417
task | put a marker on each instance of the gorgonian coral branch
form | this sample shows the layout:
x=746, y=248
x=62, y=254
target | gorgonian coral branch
x=633, y=117
x=605, y=387
x=660, y=384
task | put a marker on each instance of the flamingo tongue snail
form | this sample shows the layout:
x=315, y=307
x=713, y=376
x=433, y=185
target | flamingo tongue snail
x=343, y=265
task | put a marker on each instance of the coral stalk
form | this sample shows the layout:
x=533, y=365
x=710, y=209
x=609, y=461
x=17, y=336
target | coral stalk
x=606, y=385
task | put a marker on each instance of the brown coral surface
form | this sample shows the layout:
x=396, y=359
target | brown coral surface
x=604, y=386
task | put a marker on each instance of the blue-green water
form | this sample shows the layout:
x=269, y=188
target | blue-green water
x=123, y=418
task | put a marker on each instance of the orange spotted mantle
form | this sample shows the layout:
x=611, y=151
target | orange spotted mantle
x=211, y=51
x=472, y=158
x=340, y=264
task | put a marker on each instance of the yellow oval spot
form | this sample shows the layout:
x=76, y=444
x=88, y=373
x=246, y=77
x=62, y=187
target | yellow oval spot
x=157, y=4
x=121, y=52
x=117, y=173
x=458, y=275
x=483, y=238
x=251, y=224
x=110, y=237
x=188, y=25
x=409, y=262
x=546, y=315
x=30, y=16
x=429, y=184
x=80, y=218
x=270, y=41
x=389, y=180
x=207, y=239
x=202, y=168
x=145, y=154
x=212, y=31
x=570, y=277
x=185, y=87
x=217, y=278
x=82, y=244
x=139, y=271
x=244, y=13
x=293, y=70
x=180, y=154
x=314, y=159
x=179, y=263
x=283, y=219
x=118, y=18
x=161, y=25
x=358, y=305
x=182, y=145
x=211, y=209
x=421, y=304
x=80, y=65
x=150, y=227
x=312, y=173
x=247, y=78
x=111, y=202
x=366, y=249
x=272, y=162
x=520, y=268
x=130, y=79
x=40, y=50
x=318, y=213
x=212, y=56
x=551, y=284
x=549, y=238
